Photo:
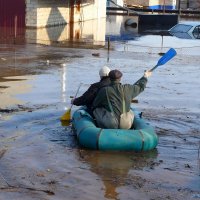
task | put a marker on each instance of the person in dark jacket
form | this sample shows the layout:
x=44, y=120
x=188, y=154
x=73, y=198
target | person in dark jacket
x=112, y=98
x=88, y=97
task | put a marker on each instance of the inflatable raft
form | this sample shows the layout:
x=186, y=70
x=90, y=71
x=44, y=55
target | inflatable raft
x=141, y=137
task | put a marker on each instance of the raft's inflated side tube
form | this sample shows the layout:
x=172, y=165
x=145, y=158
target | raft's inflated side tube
x=141, y=138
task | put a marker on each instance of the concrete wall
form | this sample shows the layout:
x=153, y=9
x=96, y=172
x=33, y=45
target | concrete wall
x=90, y=11
x=40, y=13
x=118, y=28
x=43, y=13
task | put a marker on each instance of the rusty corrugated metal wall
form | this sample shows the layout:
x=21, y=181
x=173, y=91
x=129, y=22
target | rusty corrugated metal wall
x=12, y=20
x=10, y=11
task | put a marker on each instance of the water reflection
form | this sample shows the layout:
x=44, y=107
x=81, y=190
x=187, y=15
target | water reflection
x=113, y=167
x=63, y=82
x=86, y=33
x=11, y=87
x=123, y=28
x=8, y=35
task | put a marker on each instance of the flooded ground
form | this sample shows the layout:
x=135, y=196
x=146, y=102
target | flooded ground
x=41, y=159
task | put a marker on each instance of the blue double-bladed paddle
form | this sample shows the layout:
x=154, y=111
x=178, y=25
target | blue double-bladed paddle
x=165, y=58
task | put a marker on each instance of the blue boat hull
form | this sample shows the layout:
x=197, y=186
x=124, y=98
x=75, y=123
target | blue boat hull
x=141, y=138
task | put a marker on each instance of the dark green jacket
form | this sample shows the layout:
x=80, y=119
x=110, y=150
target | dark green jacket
x=116, y=95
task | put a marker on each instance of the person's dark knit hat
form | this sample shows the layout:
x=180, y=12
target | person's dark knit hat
x=115, y=74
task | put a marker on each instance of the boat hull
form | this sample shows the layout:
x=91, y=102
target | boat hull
x=141, y=138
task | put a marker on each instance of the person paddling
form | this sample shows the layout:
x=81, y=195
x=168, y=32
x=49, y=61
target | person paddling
x=88, y=97
x=112, y=105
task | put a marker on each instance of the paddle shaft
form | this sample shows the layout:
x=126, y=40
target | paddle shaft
x=76, y=94
x=153, y=68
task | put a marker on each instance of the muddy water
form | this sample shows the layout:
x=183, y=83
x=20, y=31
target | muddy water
x=41, y=159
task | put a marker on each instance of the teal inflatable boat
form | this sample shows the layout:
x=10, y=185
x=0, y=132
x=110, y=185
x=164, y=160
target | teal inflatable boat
x=141, y=137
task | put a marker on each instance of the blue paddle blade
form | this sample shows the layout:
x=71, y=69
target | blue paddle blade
x=166, y=57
